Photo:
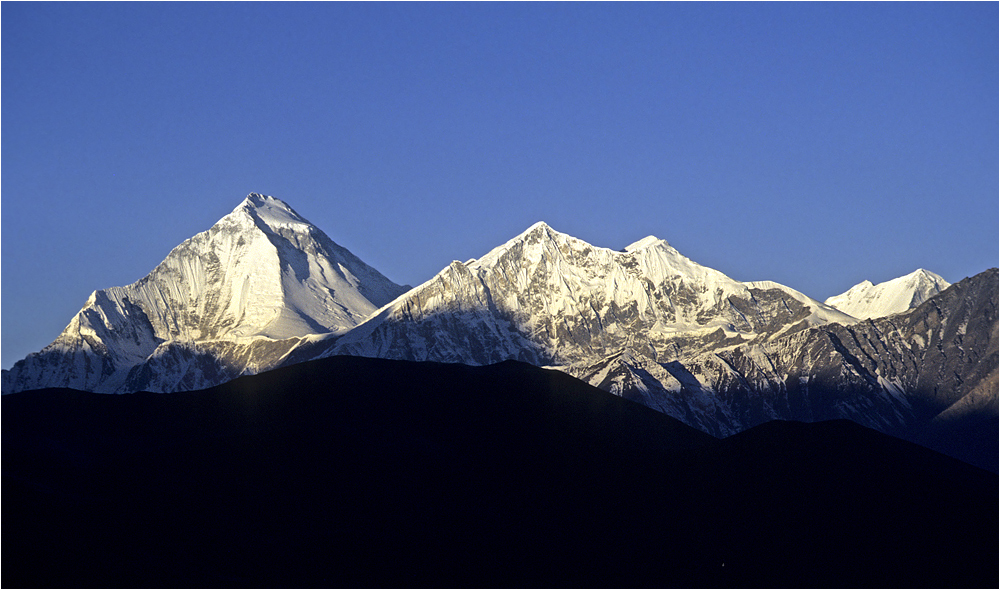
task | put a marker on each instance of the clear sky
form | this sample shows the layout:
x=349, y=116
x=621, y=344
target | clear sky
x=816, y=145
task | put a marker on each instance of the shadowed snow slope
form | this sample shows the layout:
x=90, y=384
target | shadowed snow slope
x=261, y=274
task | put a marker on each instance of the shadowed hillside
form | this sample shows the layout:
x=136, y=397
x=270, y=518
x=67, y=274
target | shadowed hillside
x=363, y=472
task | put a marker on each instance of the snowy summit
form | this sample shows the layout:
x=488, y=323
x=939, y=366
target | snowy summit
x=261, y=272
x=865, y=300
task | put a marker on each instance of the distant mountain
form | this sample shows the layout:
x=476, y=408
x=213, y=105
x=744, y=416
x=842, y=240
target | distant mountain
x=865, y=300
x=228, y=301
x=362, y=472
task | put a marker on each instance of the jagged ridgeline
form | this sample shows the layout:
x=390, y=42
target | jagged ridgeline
x=263, y=288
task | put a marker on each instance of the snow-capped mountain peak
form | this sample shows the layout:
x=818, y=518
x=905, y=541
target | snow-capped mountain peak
x=866, y=300
x=535, y=233
x=261, y=272
x=272, y=213
x=563, y=253
x=264, y=214
x=646, y=243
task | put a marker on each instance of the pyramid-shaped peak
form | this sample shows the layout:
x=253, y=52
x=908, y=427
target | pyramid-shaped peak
x=538, y=229
x=866, y=300
x=542, y=228
x=645, y=243
x=258, y=201
x=927, y=281
x=922, y=273
x=537, y=237
x=265, y=210
x=920, y=278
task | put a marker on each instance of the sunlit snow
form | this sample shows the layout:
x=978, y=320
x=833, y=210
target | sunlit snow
x=866, y=300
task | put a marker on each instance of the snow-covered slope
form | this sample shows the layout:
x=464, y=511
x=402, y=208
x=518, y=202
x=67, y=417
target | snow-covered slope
x=261, y=274
x=866, y=300
x=548, y=298
x=262, y=270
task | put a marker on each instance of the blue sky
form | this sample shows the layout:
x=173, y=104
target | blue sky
x=815, y=144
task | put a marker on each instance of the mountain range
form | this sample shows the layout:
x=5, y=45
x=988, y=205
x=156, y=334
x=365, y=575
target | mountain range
x=263, y=288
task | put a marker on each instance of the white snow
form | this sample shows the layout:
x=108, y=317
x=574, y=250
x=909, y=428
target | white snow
x=865, y=300
x=645, y=243
x=262, y=272
x=272, y=212
x=571, y=299
x=263, y=276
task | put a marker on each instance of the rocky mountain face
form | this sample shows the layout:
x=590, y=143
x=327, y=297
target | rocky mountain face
x=927, y=375
x=231, y=300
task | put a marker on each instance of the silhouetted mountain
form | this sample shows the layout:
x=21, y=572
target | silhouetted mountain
x=363, y=472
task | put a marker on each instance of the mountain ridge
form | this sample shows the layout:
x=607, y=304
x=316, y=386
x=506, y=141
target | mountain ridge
x=546, y=282
x=657, y=328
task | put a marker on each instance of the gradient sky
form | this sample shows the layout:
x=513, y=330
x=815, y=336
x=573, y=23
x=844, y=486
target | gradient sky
x=816, y=145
